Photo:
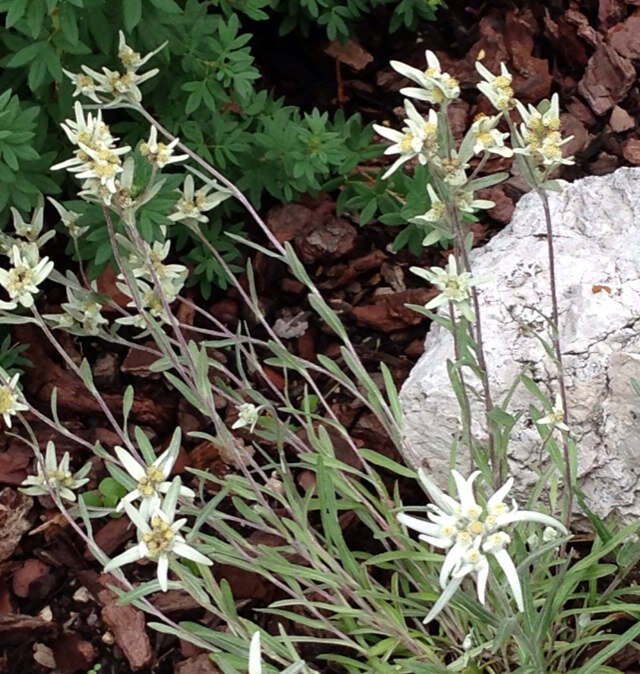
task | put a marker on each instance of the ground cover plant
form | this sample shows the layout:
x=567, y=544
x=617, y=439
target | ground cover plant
x=300, y=479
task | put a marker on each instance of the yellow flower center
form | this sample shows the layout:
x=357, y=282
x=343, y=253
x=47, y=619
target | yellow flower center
x=147, y=485
x=7, y=399
x=476, y=528
x=405, y=143
x=160, y=538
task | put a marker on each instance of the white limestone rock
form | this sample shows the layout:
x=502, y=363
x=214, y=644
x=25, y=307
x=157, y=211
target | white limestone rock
x=597, y=245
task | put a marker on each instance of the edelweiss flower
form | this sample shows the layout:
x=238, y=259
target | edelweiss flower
x=471, y=533
x=97, y=161
x=84, y=85
x=171, y=276
x=158, y=537
x=437, y=211
x=30, y=231
x=151, y=479
x=10, y=403
x=82, y=313
x=483, y=136
x=150, y=300
x=555, y=418
x=418, y=138
x=248, y=415
x=193, y=204
x=21, y=280
x=455, y=287
x=159, y=153
x=131, y=59
x=540, y=132
x=497, y=88
x=55, y=477
x=435, y=86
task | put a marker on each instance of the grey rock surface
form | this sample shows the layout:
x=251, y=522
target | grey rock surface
x=597, y=244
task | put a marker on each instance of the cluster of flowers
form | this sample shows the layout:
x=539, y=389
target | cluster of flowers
x=108, y=179
x=55, y=478
x=115, y=86
x=428, y=140
x=27, y=270
x=158, y=530
x=471, y=533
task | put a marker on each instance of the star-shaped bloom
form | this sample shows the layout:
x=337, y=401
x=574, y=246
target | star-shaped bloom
x=54, y=476
x=418, y=138
x=555, y=418
x=151, y=479
x=160, y=154
x=471, y=534
x=455, y=286
x=159, y=537
x=248, y=415
x=193, y=203
x=435, y=86
x=27, y=272
x=10, y=401
x=497, y=88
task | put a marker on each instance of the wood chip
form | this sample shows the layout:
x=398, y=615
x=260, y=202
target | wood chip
x=128, y=626
x=607, y=80
x=625, y=37
x=620, y=120
x=631, y=151
x=351, y=53
x=14, y=522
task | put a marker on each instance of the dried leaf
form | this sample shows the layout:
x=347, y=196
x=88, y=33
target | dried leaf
x=351, y=53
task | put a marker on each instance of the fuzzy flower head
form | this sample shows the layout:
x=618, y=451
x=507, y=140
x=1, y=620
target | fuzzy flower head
x=555, y=418
x=193, y=204
x=111, y=88
x=418, y=138
x=27, y=272
x=248, y=415
x=471, y=533
x=159, y=537
x=455, y=287
x=159, y=154
x=497, y=88
x=10, y=399
x=149, y=264
x=435, y=87
x=484, y=136
x=151, y=479
x=149, y=300
x=56, y=477
x=540, y=131
x=130, y=59
x=81, y=313
x=97, y=161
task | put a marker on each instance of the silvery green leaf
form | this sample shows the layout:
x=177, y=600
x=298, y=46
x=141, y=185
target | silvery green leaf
x=487, y=181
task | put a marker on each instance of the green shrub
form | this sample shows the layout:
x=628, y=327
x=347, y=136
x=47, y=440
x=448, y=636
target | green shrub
x=206, y=92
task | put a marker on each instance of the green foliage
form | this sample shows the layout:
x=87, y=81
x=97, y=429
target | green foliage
x=11, y=359
x=206, y=92
x=23, y=169
x=394, y=202
x=339, y=18
x=107, y=495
